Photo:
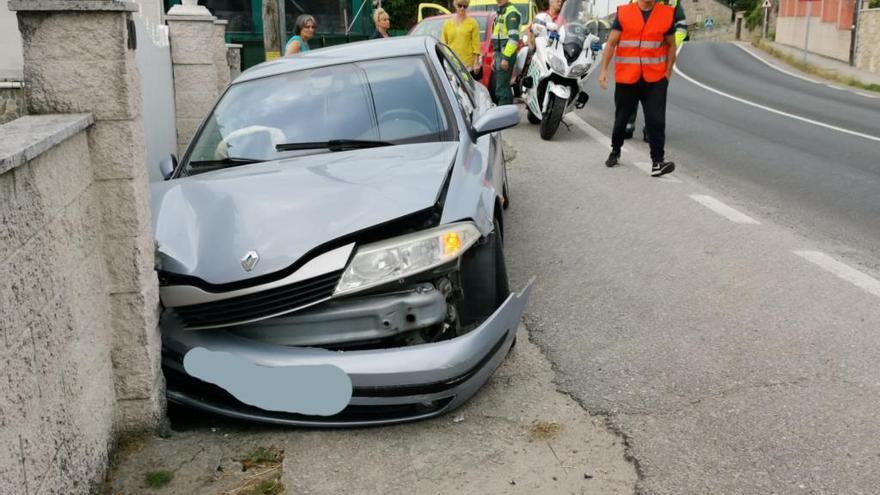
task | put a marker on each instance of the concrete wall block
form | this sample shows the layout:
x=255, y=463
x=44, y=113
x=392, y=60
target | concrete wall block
x=195, y=78
x=61, y=174
x=109, y=89
x=137, y=342
x=868, y=56
x=130, y=262
x=80, y=36
x=191, y=41
x=117, y=149
x=126, y=207
x=186, y=129
x=193, y=104
x=20, y=384
x=28, y=282
x=11, y=473
x=142, y=414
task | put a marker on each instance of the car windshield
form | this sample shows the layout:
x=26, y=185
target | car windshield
x=391, y=101
x=432, y=26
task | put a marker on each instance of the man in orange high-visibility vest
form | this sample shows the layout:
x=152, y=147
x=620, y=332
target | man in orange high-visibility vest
x=642, y=40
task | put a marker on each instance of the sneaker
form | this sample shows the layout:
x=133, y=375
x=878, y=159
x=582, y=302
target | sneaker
x=613, y=158
x=661, y=168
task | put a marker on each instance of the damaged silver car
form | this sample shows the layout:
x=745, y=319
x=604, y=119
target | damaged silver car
x=330, y=246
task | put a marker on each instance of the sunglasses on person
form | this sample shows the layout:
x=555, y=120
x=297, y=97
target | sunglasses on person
x=461, y=6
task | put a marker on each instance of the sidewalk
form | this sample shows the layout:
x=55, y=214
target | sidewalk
x=821, y=62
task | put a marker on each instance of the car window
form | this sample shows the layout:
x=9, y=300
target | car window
x=393, y=100
x=461, y=79
x=429, y=27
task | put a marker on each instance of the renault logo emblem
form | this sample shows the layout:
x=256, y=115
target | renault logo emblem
x=250, y=260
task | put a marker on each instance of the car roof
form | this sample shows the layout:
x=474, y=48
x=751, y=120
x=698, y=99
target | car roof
x=398, y=46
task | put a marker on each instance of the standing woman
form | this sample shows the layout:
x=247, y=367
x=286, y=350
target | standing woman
x=383, y=23
x=303, y=31
x=462, y=34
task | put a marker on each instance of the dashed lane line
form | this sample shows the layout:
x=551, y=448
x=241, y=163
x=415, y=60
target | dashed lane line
x=773, y=110
x=842, y=270
x=723, y=210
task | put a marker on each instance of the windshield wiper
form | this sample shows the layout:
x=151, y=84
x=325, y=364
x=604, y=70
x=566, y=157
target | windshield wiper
x=332, y=145
x=228, y=161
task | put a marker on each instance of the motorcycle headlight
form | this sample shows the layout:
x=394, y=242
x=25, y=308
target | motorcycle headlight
x=556, y=64
x=392, y=259
x=579, y=70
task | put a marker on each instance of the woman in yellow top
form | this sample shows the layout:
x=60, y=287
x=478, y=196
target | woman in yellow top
x=462, y=34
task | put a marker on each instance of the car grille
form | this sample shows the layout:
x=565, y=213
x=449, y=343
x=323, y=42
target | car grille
x=260, y=305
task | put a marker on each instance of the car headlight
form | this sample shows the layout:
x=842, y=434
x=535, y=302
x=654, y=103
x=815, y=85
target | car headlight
x=556, y=64
x=392, y=259
x=579, y=70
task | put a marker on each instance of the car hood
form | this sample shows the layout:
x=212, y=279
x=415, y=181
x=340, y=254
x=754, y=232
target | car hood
x=205, y=224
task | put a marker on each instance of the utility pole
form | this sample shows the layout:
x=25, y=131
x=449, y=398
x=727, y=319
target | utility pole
x=766, y=6
x=854, y=44
x=807, y=31
x=271, y=39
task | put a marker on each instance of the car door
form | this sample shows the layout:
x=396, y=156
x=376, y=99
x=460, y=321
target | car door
x=432, y=6
x=473, y=99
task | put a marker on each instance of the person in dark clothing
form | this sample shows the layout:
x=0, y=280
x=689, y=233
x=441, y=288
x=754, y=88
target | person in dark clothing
x=642, y=40
x=680, y=34
x=383, y=23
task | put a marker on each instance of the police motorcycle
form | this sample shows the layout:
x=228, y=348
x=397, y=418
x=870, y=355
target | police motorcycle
x=565, y=55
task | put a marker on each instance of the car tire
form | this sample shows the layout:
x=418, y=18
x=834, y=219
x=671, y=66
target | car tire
x=533, y=119
x=484, y=279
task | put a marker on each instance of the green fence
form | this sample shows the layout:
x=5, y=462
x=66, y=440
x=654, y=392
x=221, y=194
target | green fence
x=246, y=22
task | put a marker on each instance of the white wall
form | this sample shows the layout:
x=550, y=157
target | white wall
x=10, y=46
x=825, y=38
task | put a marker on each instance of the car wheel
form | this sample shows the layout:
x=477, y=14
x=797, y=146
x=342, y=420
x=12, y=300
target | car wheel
x=553, y=117
x=533, y=119
x=484, y=279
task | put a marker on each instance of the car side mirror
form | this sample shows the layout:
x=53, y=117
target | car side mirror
x=167, y=166
x=496, y=119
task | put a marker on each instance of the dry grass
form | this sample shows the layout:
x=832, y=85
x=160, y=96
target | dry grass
x=544, y=430
x=265, y=479
x=812, y=69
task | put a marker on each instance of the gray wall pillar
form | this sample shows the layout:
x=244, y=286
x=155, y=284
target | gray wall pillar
x=220, y=61
x=193, y=48
x=79, y=57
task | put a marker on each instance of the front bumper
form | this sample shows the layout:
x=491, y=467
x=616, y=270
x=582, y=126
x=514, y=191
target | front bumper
x=390, y=385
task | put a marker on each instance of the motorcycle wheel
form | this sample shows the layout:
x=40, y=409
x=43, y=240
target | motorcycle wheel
x=552, y=118
x=533, y=119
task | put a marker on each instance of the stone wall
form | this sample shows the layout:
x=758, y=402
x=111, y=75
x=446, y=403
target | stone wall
x=57, y=405
x=868, y=57
x=11, y=102
x=825, y=37
x=698, y=10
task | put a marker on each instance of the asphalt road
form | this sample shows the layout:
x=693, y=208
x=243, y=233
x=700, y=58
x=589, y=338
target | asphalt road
x=820, y=181
x=736, y=350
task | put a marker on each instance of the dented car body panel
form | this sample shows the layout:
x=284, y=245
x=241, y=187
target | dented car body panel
x=261, y=260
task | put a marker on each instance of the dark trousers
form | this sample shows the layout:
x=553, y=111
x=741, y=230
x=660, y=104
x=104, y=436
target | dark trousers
x=653, y=99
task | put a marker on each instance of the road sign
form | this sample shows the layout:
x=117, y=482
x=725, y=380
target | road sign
x=766, y=4
x=709, y=23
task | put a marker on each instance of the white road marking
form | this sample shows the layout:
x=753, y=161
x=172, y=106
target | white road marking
x=626, y=149
x=723, y=210
x=773, y=110
x=799, y=76
x=844, y=271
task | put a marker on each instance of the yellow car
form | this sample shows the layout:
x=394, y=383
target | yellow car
x=528, y=9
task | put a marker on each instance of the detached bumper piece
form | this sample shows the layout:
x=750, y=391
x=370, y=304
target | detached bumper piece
x=390, y=385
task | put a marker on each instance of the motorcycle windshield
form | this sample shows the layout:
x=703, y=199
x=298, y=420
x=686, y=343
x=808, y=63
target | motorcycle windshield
x=574, y=17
